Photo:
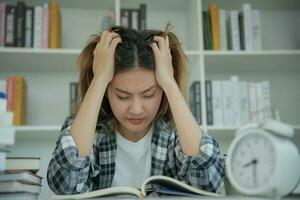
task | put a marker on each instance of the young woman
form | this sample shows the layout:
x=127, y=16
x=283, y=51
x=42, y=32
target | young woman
x=133, y=121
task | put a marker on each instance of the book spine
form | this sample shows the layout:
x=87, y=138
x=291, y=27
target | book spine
x=244, y=103
x=227, y=103
x=125, y=17
x=134, y=15
x=55, y=25
x=20, y=24
x=20, y=91
x=2, y=23
x=74, y=98
x=252, y=102
x=217, y=103
x=45, y=26
x=256, y=26
x=214, y=18
x=29, y=27
x=236, y=100
x=6, y=119
x=248, y=26
x=234, y=31
x=265, y=87
x=209, y=107
x=2, y=160
x=10, y=26
x=207, y=27
x=205, y=39
x=3, y=96
x=242, y=31
x=223, y=31
x=10, y=89
x=198, y=102
x=37, y=42
x=192, y=100
x=7, y=136
x=259, y=102
x=143, y=10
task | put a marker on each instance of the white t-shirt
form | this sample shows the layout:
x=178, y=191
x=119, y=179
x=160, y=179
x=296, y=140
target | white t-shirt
x=133, y=161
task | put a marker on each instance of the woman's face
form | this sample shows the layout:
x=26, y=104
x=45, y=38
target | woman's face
x=134, y=97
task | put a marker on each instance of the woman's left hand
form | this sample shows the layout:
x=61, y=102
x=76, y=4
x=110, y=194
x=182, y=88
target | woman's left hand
x=163, y=60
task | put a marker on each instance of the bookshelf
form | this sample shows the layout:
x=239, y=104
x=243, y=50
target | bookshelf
x=49, y=71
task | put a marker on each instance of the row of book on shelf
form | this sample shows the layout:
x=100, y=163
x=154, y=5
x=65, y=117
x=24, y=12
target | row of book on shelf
x=40, y=26
x=30, y=26
x=134, y=18
x=234, y=30
x=231, y=102
x=13, y=100
x=18, y=175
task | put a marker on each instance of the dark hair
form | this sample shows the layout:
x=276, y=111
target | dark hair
x=134, y=51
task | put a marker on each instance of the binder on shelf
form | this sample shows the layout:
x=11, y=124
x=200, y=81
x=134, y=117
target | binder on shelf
x=55, y=25
x=10, y=26
x=215, y=26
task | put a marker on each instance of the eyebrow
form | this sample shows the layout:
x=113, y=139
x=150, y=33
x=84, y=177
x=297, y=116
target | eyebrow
x=123, y=91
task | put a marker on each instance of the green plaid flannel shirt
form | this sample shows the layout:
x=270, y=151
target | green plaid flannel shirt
x=69, y=174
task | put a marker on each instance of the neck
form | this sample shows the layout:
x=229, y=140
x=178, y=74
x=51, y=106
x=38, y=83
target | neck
x=132, y=136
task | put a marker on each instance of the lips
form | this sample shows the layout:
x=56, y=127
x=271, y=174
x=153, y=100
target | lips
x=136, y=120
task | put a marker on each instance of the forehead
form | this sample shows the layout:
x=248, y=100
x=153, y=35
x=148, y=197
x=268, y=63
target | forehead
x=134, y=80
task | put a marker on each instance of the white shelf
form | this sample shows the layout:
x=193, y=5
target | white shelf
x=263, y=5
x=38, y=60
x=253, y=61
x=234, y=128
x=56, y=128
x=32, y=128
x=44, y=60
x=251, y=53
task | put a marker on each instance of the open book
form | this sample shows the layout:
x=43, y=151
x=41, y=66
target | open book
x=159, y=184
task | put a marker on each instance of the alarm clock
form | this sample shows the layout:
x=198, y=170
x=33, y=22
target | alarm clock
x=263, y=160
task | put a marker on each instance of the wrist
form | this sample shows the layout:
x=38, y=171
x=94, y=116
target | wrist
x=100, y=81
x=169, y=85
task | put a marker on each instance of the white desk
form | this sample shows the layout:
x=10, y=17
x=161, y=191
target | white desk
x=193, y=198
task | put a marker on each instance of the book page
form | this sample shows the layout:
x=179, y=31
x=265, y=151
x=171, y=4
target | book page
x=171, y=186
x=122, y=190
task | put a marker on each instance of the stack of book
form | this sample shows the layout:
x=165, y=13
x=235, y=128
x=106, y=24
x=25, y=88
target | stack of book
x=30, y=26
x=240, y=30
x=13, y=92
x=7, y=139
x=232, y=102
x=19, y=180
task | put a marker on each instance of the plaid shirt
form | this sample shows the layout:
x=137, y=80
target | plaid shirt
x=70, y=174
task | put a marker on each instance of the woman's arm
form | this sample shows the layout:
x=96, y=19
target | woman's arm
x=189, y=132
x=83, y=128
x=84, y=125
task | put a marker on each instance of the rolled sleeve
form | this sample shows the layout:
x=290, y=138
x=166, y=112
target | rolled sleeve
x=206, y=170
x=67, y=172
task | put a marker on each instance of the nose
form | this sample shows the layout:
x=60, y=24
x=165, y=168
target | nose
x=136, y=107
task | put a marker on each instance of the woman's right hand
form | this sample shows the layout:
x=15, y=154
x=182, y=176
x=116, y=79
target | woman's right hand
x=103, y=64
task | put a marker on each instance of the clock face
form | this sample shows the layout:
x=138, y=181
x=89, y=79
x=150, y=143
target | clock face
x=253, y=161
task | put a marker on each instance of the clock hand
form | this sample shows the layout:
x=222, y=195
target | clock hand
x=254, y=161
x=254, y=172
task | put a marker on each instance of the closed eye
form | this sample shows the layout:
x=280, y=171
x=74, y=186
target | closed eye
x=122, y=98
x=149, y=96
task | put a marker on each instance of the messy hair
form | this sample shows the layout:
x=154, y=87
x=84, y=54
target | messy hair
x=133, y=51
